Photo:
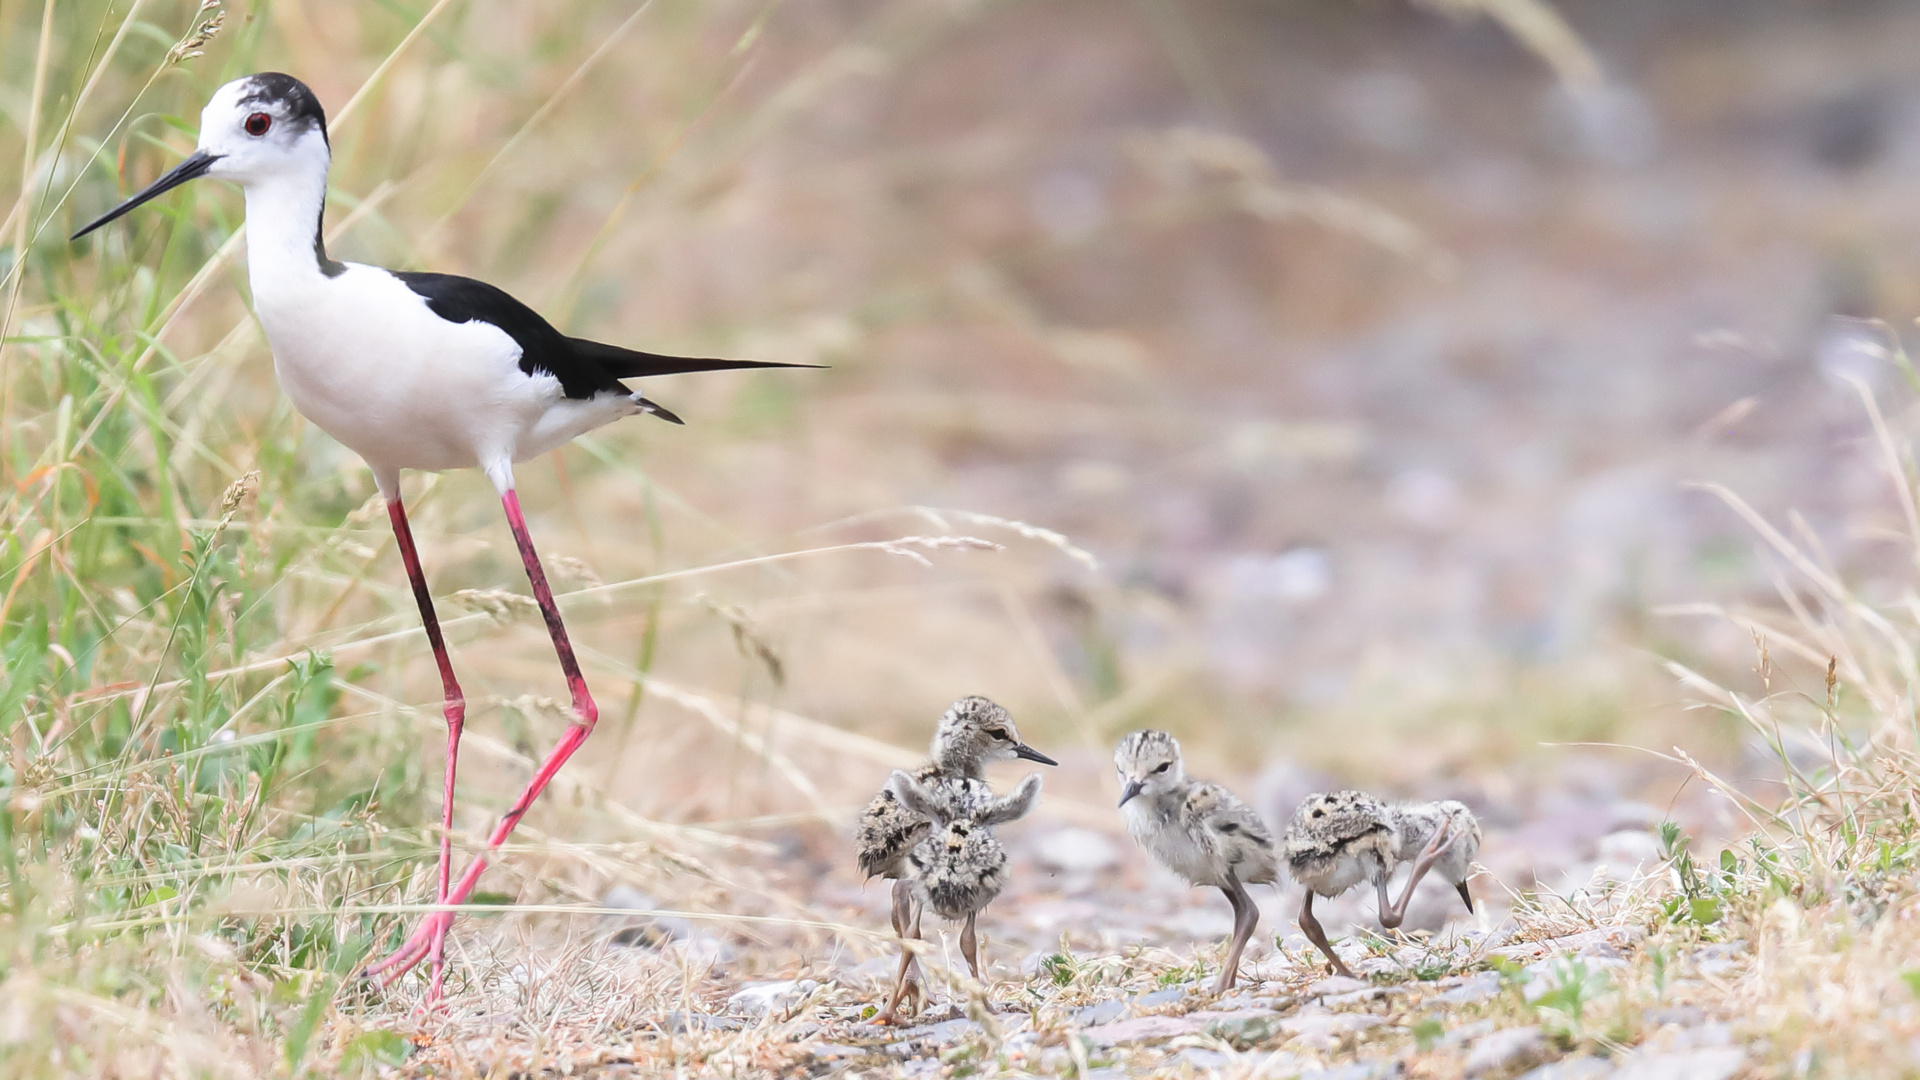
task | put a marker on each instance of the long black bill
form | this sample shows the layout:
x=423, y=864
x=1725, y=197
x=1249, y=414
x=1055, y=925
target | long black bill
x=196, y=165
x=1465, y=895
x=1022, y=750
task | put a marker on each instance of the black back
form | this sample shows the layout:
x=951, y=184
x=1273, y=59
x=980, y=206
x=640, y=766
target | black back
x=542, y=348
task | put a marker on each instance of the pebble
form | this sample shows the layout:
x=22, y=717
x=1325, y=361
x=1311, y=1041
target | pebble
x=1583, y=1067
x=944, y=1033
x=1683, y=1015
x=1157, y=998
x=1143, y=1029
x=1501, y=1051
x=1718, y=1064
x=1466, y=1033
x=779, y=998
x=1202, y=1058
x=1325, y=1031
x=1100, y=1012
x=1244, y=1028
x=1478, y=987
x=1336, y=984
x=1363, y=1070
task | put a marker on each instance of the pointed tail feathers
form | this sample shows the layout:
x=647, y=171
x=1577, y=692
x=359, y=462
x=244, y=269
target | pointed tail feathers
x=630, y=364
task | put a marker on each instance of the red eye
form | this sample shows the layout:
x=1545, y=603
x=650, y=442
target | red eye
x=258, y=123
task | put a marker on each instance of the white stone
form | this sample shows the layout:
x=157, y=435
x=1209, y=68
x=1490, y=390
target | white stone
x=759, y=999
x=1502, y=1051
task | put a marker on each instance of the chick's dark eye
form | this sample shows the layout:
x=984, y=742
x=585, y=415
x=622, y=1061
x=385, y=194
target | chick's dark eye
x=1001, y=735
x=258, y=123
x=1163, y=766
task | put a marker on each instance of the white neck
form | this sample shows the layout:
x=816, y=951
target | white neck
x=283, y=223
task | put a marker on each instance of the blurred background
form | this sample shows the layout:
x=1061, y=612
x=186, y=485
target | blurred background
x=1332, y=374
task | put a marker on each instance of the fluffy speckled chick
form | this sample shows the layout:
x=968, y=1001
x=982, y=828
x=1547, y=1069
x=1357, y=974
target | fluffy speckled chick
x=974, y=733
x=1195, y=828
x=958, y=867
x=1336, y=841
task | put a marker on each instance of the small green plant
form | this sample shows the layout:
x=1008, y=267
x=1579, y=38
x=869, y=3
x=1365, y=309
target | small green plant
x=1058, y=968
x=1575, y=986
x=1698, y=903
x=1428, y=1033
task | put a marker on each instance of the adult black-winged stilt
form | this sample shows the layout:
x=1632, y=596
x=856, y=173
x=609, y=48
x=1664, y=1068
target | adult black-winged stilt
x=411, y=371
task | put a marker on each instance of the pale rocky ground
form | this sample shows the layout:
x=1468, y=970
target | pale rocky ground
x=1092, y=954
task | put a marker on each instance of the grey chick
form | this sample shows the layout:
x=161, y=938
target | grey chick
x=1196, y=829
x=958, y=867
x=1340, y=839
x=974, y=733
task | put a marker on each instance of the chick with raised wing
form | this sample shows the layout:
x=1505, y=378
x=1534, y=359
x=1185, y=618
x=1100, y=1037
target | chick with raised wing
x=958, y=867
x=974, y=733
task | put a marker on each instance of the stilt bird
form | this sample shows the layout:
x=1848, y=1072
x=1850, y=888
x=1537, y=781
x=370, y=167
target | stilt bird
x=410, y=371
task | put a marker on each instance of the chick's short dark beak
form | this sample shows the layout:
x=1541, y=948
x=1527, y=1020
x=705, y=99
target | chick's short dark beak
x=1022, y=750
x=196, y=165
x=1465, y=896
x=1133, y=788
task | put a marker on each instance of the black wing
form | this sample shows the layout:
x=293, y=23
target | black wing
x=584, y=368
x=542, y=348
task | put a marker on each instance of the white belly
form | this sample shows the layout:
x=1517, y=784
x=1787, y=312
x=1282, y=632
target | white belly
x=363, y=357
x=1169, y=844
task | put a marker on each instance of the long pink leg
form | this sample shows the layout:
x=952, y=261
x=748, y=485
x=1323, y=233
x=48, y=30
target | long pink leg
x=432, y=932
x=456, y=705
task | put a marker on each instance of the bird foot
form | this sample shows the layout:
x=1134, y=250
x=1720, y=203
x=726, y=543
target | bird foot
x=912, y=996
x=428, y=940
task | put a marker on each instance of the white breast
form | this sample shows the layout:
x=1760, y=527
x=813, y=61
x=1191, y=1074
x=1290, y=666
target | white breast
x=362, y=356
x=1168, y=843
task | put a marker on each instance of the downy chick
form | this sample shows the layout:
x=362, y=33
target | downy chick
x=1418, y=825
x=958, y=867
x=974, y=733
x=1197, y=829
x=1338, y=840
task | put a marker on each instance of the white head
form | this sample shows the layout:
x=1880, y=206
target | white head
x=258, y=128
x=1148, y=763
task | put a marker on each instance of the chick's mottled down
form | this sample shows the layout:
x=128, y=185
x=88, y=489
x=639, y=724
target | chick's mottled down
x=1340, y=839
x=959, y=867
x=974, y=733
x=1345, y=838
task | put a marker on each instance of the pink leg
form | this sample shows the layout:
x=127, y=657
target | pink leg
x=432, y=931
x=456, y=708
